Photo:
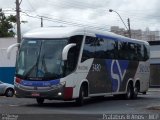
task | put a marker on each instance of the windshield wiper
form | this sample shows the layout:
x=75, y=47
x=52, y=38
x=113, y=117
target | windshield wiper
x=30, y=70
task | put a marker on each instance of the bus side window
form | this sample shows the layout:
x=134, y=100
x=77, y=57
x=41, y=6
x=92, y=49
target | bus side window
x=102, y=49
x=133, y=53
x=89, y=48
x=111, y=49
x=73, y=53
x=139, y=52
x=146, y=53
x=123, y=50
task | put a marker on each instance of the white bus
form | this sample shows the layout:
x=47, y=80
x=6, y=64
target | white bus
x=68, y=63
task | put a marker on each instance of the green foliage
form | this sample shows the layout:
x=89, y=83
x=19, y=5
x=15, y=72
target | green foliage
x=6, y=25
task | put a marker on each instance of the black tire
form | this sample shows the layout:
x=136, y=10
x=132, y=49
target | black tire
x=129, y=93
x=144, y=93
x=40, y=101
x=80, y=99
x=135, y=91
x=9, y=92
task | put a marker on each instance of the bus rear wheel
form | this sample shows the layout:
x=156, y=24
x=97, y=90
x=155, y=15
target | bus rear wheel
x=136, y=90
x=40, y=101
x=144, y=93
x=129, y=92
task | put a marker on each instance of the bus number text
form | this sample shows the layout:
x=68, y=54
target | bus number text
x=96, y=67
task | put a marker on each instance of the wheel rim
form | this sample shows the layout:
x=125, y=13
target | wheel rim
x=129, y=93
x=136, y=91
x=9, y=93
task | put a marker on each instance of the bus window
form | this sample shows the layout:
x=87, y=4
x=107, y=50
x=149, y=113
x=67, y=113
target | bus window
x=111, y=49
x=101, y=48
x=132, y=51
x=146, y=53
x=89, y=48
x=139, y=52
x=123, y=50
x=73, y=54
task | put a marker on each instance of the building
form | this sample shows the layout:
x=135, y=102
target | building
x=136, y=34
x=7, y=66
x=151, y=35
x=154, y=63
x=119, y=31
x=146, y=35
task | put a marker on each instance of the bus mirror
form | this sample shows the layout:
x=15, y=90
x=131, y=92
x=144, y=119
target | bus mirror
x=10, y=48
x=66, y=49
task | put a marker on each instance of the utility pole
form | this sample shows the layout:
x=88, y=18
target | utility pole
x=128, y=20
x=129, y=28
x=18, y=21
x=41, y=21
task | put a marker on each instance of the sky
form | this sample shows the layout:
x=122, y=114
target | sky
x=86, y=13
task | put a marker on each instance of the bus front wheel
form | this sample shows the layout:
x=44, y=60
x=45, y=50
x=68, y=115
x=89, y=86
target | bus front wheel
x=40, y=101
x=80, y=99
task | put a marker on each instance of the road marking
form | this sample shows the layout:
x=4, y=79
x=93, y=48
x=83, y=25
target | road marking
x=13, y=105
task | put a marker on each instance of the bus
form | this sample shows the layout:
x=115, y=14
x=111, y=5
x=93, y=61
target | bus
x=71, y=63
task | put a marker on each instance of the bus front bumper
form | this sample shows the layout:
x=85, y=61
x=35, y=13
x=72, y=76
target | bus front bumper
x=40, y=92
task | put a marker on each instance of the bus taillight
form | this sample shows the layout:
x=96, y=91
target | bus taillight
x=68, y=92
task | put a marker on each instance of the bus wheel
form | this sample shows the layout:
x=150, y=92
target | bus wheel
x=129, y=93
x=40, y=101
x=135, y=92
x=144, y=93
x=80, y=99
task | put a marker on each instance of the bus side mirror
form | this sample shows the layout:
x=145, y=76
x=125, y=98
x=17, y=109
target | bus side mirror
x=10, y=48
x=66, y=49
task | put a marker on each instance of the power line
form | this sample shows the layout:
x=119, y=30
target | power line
x=136, y=16
x=63, y=21
x=80, y=5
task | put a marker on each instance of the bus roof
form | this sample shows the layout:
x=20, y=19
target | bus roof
x=65, y=32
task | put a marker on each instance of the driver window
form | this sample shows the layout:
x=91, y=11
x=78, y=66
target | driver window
x=73, y=53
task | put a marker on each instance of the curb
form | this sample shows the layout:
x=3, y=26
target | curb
x=154, y=89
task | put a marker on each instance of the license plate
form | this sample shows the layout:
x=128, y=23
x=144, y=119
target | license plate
x=35, y=94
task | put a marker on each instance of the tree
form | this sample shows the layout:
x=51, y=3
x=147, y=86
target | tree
x=6, y=27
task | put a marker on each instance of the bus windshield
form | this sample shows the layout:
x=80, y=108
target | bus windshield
x=41, y=59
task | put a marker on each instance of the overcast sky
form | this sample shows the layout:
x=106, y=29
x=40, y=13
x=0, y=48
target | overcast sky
x=91, y=13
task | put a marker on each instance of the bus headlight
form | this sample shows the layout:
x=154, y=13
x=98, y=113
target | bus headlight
x=59, y=94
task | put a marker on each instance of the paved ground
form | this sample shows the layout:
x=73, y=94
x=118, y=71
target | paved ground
x=145, y=107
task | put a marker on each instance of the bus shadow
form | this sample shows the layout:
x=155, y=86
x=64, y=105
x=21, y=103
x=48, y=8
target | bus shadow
x=90, y=101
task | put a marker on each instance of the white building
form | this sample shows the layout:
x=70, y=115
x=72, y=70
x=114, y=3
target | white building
x=7, y=66
x=155, y=63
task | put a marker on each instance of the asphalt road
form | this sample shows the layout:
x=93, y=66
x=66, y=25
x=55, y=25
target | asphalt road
x=145, y=107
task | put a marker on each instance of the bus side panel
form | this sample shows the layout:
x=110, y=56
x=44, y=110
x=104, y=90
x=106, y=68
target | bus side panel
x=110, y=76
x=143, y=74
x=98, y=78
x=120, y=71
x=80, y=76
x=130, y=74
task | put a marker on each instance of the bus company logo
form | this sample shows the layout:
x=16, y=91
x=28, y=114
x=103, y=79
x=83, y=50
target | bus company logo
x=117, y=70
